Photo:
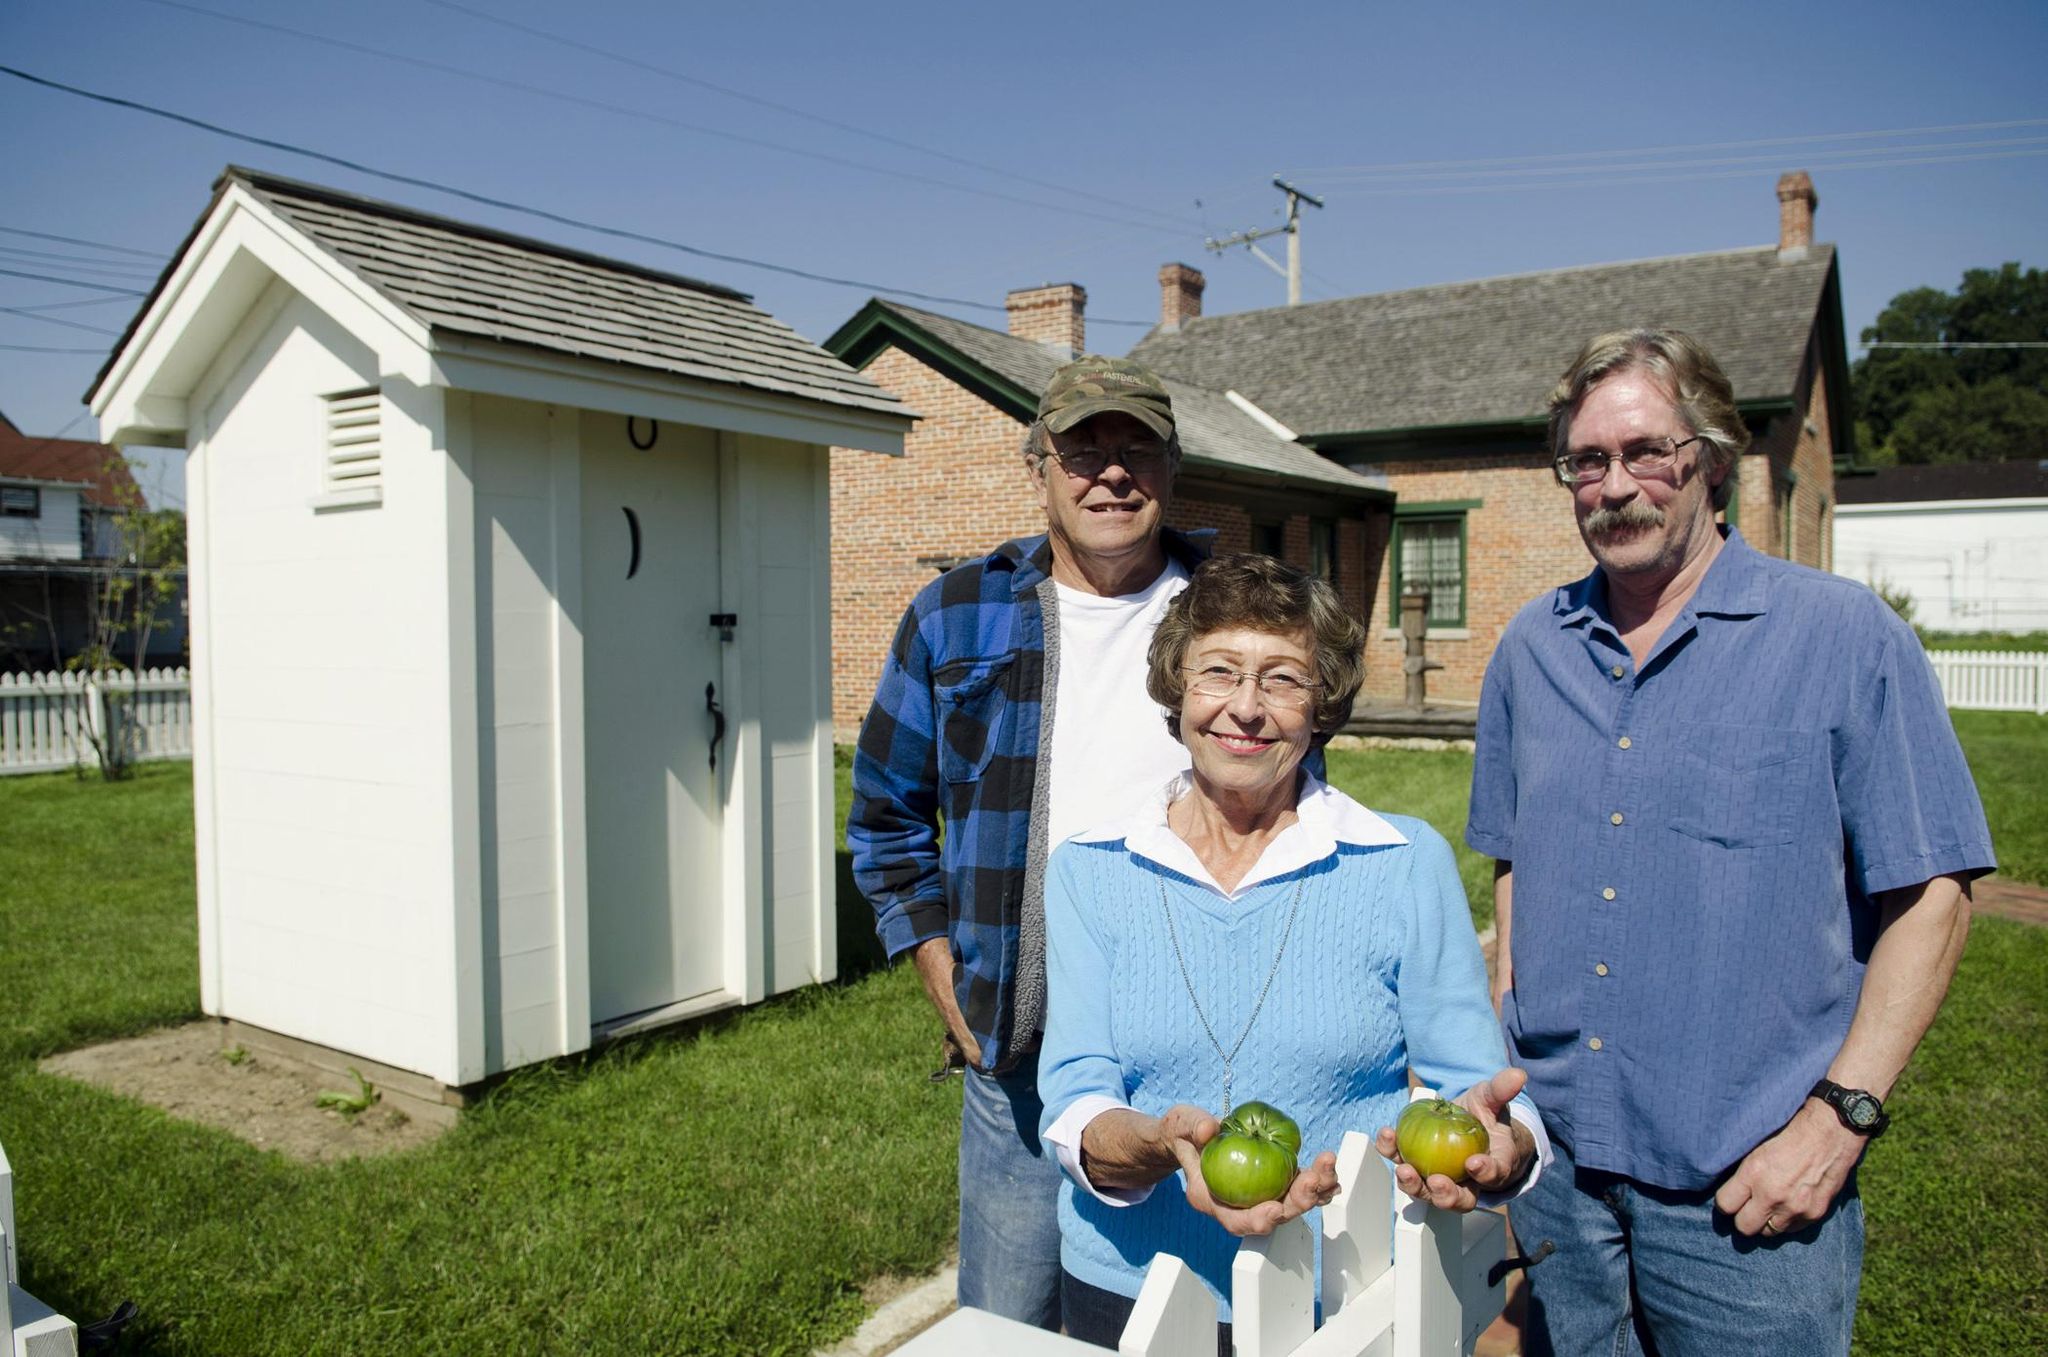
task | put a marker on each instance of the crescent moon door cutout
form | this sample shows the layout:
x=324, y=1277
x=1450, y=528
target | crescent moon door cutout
x=652, y=807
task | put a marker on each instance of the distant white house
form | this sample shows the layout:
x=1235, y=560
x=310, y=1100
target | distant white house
x=559, y=525
x=61, y=501
x=1967, y=541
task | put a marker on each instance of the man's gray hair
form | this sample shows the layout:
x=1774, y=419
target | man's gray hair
x=1701, y=393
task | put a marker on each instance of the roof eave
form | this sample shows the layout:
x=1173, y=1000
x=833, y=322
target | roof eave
x=877, y=326
x=1207, y=468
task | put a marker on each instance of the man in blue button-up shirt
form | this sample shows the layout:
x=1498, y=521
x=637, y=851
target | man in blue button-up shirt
x=1733, y=834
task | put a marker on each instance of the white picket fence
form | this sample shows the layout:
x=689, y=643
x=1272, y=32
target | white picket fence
x=1427, y=1288
x=47, y=720
x=1993, y=680
x=31, y=1328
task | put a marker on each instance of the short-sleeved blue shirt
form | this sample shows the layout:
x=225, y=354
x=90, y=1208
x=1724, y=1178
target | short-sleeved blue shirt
x=1695, y=845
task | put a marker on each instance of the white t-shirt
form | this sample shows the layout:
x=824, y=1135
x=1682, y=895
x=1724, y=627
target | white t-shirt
x=1110, y=746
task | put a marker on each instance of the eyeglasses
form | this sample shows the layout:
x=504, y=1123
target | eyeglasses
x=1279, y=688
x=1638, y=459
x=1140, y=459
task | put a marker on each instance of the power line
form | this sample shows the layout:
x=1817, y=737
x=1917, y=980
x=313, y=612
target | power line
x=113, y=268
x=75, y=304
x=44, y=348
x=69, y=282
x=74, y=240
x=791, y=110
x=1657, y=165
x=57, y=320
x=543, y=214
x=1401, y=166
x=622, y=110
x=1622, y=180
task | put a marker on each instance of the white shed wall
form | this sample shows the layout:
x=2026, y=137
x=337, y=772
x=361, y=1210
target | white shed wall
x=1970, y=565
x=320, y=675
x=52, y=535
x=517, y=573
x=785, y=500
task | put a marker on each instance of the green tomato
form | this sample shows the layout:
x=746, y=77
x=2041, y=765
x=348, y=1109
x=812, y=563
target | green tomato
x=1252, y=1158
x=1436, y=1135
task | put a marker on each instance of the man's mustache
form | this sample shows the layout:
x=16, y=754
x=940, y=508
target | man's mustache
x=1634, y=514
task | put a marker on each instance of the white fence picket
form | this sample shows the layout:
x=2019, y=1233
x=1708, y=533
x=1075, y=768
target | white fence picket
x=28, y=1327
x=1993, y=680
x=46, y=720
x=1175, y=1314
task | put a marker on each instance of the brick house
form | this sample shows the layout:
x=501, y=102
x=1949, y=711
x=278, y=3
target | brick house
x=960, y=488
x=1438, y=392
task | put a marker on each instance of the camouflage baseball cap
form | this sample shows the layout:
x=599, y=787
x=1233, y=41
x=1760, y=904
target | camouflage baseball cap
x=1093, y=385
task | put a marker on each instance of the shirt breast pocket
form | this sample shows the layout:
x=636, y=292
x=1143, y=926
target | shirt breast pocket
x=1738, y=786
x=973, y=700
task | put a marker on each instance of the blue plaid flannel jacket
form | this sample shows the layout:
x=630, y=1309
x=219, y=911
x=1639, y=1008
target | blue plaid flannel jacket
x=954, y=734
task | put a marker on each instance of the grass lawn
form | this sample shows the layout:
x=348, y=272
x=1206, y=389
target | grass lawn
x=2009, y=757
x=730, y=1189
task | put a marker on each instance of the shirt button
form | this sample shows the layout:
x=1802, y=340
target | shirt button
x=1617, y=671
x=1623, y=742
x=1607, y=893
x=1615, y=818
x=1600, y=968
x=1594, y=1043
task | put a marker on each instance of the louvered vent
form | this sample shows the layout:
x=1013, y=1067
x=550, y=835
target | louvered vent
x=355, y=446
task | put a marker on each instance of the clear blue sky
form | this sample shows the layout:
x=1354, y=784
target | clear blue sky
x=1128, y=131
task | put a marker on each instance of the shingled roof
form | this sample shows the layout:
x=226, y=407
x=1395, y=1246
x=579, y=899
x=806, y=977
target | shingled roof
x=1945, y=481
x=100, y=471
x=459, y=279
x=1215, y=432
x=1488, y=352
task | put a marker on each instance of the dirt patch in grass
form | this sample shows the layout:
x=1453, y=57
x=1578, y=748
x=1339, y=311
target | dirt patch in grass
x=270, y=1101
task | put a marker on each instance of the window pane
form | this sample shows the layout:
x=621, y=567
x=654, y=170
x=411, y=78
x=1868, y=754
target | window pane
x=1322, y=545
x=1430, y=559
x=20, y=499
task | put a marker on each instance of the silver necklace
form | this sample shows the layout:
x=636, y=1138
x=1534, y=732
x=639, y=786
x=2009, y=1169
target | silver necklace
x=1174, y=937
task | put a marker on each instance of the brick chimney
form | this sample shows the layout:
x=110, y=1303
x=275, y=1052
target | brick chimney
x=1180, y=295
x=1796, y=201
x=1051, y=315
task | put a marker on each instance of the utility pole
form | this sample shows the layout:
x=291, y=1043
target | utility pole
x=1292, y=272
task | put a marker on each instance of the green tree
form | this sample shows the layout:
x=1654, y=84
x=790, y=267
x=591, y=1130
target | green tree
x=133, y=565
x=1995, y=394
x=1999, y=420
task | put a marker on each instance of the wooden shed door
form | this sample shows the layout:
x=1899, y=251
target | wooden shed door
x=652, y=803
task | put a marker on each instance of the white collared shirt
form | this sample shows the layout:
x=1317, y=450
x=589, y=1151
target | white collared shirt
x=1324, y=818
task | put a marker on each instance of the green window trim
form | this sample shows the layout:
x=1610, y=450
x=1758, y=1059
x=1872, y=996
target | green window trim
x=1437, y=506
x=1439, y=616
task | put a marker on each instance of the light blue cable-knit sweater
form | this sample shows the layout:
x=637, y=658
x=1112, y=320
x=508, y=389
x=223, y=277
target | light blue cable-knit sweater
x=1382, y=972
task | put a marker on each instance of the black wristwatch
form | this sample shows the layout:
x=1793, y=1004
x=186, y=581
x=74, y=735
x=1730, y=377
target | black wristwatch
x=1859, y=1109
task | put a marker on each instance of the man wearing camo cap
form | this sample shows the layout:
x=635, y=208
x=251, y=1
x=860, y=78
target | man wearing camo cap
x=1012, y=707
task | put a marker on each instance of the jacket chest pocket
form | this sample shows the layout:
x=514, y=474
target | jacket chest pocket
x=973, y=700
x=1741, y=786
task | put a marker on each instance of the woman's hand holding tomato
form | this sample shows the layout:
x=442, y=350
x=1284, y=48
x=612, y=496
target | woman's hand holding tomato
x=1191, y=1130
x=1506, y=1159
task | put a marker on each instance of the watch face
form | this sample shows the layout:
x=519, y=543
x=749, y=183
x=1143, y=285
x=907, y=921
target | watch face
x=1860, y=1108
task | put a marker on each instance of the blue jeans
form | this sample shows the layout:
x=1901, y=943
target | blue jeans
x=1009, y=1201
x=1644, y=1270
x=1097, y=1316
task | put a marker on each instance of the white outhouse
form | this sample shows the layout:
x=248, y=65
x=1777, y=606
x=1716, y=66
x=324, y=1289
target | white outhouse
x=511, y=692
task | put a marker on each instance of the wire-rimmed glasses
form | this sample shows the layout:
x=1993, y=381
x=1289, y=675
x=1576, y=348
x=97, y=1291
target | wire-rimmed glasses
x=1650, y=458
x=1278, y=688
